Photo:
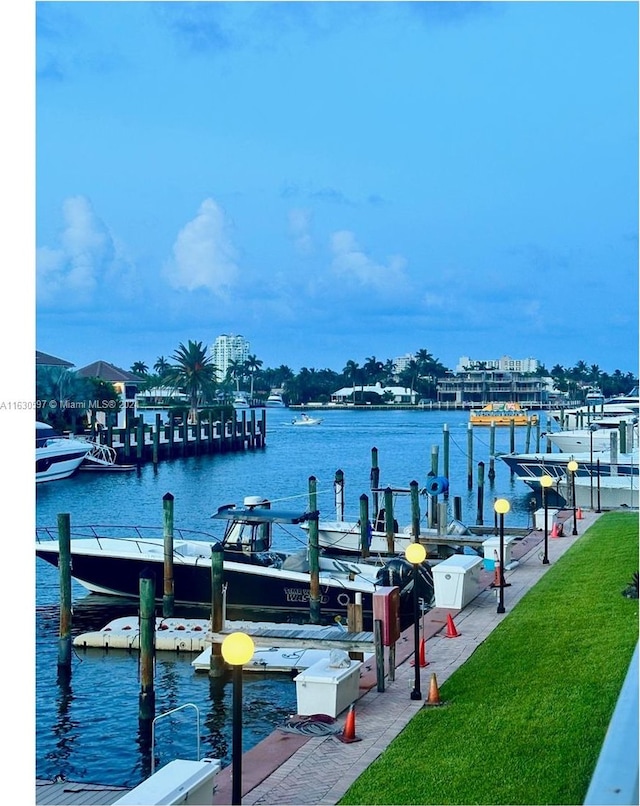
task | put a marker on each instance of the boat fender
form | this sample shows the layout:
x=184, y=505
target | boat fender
x=437, y=485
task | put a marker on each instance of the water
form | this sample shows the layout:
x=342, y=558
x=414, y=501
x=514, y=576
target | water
x=87, y=728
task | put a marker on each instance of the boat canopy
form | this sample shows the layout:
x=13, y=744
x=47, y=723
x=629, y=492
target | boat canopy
x=255, y=515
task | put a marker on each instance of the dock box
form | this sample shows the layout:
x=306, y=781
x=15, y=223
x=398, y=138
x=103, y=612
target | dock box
x=386, y=608
x=538, y=517
x=179, y=781
x=456, y=580
x=492, y=549
x=323, y=689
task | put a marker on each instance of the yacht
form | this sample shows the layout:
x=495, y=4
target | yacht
x=275, y=401
x=240, y=401
x=57, y=456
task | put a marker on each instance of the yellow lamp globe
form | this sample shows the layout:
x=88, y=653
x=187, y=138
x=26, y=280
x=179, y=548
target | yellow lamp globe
x=502, y=506
x=415, y=553
x=237, y=648
x=546, y=481
x=572, y=466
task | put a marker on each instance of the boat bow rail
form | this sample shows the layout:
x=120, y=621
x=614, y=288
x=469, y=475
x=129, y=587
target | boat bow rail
x=143, y=537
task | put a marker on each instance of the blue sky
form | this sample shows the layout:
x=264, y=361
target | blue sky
x=338, y=180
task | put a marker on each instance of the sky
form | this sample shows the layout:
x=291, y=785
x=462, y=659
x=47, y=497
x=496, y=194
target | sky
x=337, y=180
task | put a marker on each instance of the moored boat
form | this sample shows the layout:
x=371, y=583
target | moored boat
x=530, y=467
x=275, y=401
x=57, y=456
x=502, y=414
x=606, y=492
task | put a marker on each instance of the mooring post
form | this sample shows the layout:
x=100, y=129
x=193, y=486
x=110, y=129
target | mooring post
x=168, y=593
x=512, y=437
x=375, y=481
x=216, y=661
x=442, y=518
x=364, y=525
x=479, y=514
x=469, y=456
x=389, y=525
x=338, y=487
x=538, y=433
x=445, y=455
x=64, y=568
x=147, y=619
x=433, y=499
x=156, y=438
x=140, y=439
x=622, y=427
x=527, y=438
x=492, y=439
x=379, y=650
x=415, y=511
x=457, y=507
x=314, y=556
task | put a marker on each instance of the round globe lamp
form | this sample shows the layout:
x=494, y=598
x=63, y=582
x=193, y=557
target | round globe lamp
x=415, y=553
x=501, y=507
x=237, y=649
x=545, y=483
x=572, y=467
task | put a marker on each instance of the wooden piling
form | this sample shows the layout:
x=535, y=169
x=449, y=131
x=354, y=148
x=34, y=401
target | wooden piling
x=415, y=511
x=156, y=440
x=622, y=428
x=527, y=438
x=147, y=627
x=216, y=661
x=492, y=439
x=457, y=508
x=445, y=455
x=375, y=480
x=512, y=437
x=64, y=569
x=442, y=518
x=168, y=594
x=338, y=487
x=432, y=518
x=379, y=650
x=364, y=525
x=140, y=440
x=389, y=525
x=469, y=456
x=479, y=513
x=314, y=556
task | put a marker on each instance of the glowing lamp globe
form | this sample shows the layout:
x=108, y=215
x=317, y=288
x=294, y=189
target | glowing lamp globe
x=415, y=553
x=237, y=648
x=572, y=466
x=502, y=506
x=546, y=481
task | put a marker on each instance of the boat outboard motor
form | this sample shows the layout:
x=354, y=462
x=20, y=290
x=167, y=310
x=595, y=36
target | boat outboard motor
x=398, y=572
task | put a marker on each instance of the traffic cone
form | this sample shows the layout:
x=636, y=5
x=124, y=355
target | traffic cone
x=579, y=515
x=348, y=734
x=433, y=697
x=554, y=530
x=422, y=655
x=452, y=632
x=497, y=571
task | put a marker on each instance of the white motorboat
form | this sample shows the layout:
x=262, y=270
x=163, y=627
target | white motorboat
x=257, y=579
x=598, y=437
x=57, y=456
x=304, y=419
x=240, y=402
x=530, y=467
x=583, y=416
x=606, y=492
x=275, y=401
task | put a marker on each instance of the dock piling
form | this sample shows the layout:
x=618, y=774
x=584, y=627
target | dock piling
x=314, y=556
x=216, y=661
x=64, y=567
x=168, y=579
x=147, y=619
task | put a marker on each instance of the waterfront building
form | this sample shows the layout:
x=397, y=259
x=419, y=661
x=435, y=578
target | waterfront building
x=126, y=385
x=226, y=349
x=492, y=386
x=372, y=394
x=402, y=363
x=504, y=364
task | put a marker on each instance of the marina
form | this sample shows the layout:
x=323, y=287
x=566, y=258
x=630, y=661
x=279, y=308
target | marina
x=80, y=735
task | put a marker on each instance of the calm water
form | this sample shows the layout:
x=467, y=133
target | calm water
x=87, y=729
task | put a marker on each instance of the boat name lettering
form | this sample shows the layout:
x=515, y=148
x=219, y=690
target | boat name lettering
x=301, y=595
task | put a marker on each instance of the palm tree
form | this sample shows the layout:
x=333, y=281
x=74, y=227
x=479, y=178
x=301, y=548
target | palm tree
x=194, y=372
x=352, y=373
x=235, y=372
x=161, y=366
x=139, y=368
x=252, y=364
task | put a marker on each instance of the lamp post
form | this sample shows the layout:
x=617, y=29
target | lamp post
x=237, y=649
x=572, y=466
x=593, y=427
x=416, y=554
x=545, y=483
x=501, y=506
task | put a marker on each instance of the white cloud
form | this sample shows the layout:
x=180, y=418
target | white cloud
x=86, y=255
x=203, y=253
x=300, y=229
x=354, y=265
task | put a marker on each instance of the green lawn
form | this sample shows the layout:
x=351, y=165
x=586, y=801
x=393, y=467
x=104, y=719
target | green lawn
x=527, y=713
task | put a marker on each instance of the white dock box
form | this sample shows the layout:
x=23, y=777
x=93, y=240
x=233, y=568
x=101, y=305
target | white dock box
x=538, y=517
x=179, y=781
x=324, y=689
x=456, y=580
x=492, y=549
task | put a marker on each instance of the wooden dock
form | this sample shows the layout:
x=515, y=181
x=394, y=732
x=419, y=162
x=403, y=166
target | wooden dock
x=305, y=637
x=54, y=793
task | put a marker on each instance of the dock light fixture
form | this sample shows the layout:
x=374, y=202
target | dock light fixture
x=545, y=483
x=416, y=555
x=572, y=466
x=237, y=649
x=501, y=506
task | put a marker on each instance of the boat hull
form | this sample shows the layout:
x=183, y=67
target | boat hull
x=530, y=467
x=59, y=460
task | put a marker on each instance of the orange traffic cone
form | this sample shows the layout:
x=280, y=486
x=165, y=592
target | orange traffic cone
x=579, y=515
x=348, y=735
x=497, y=571
x=433, y=697
x=554, y=530
x=452, y=632
x=422, y=655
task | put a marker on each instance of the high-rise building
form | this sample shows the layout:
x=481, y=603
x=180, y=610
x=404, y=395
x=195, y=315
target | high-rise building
x=228, y=348
x=504, y=364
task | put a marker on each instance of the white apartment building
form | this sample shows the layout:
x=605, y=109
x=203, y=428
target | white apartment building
x=402, y=363
x=504, y=364
x=227, y=348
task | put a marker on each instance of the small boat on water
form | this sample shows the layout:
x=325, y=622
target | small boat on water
x=502, y=414
x=57, y=456
x=304, y=419
x=257, y=578
x=240, y=402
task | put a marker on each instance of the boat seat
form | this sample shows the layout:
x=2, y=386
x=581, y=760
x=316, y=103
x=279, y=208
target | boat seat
x=268, y=559
x=297, y=562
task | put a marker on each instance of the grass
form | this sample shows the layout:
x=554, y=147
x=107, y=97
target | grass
x=526, y=715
